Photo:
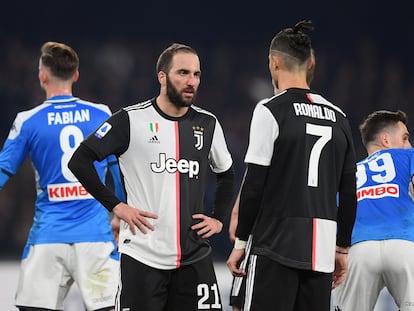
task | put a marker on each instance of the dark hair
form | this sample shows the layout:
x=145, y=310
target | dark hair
x=61, y=59
x=165, y=59
x=294, y=42
x=378, y=121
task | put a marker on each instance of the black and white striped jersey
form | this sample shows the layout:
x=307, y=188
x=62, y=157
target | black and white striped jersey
x=305, y=144
x=165, y=162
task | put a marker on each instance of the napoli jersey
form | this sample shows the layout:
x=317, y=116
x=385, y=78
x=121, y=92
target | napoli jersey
x=49, y=133
x=385, y=208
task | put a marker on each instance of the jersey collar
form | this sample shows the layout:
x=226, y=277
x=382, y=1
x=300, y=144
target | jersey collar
x=61, y=99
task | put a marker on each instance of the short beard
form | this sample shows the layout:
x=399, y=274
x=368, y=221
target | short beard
x=175, y=97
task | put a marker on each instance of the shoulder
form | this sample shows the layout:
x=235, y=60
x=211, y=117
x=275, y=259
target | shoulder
x=138, y=106
x=403, y=151
x=319, y=99
x=25, y=118
x=203, y=112
x=101, y=107
x=26, y=115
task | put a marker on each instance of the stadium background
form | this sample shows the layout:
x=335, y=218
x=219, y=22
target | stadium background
x=363, y=51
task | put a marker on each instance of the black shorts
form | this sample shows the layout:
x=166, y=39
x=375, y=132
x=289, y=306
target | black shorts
x=189, y=288
x=272, y=286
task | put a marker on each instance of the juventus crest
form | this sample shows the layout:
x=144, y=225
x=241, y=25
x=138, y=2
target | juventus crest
x=198, y=134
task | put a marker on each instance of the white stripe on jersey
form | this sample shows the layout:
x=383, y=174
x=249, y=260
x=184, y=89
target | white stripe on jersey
x=324, y=243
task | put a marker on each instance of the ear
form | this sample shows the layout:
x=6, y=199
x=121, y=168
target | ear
x=310, y=72
x=76, y=76
x=311, y=63
x=162, y=77
x=385, y=140
x=43, y=76
x=274, y=62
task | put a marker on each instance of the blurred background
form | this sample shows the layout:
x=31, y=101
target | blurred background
x=363, y=54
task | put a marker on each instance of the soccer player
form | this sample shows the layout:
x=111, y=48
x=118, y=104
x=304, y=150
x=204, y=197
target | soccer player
x=382, y=251
x=300, y=155
x=71, y=237
x=238, y=287
x=165, y=147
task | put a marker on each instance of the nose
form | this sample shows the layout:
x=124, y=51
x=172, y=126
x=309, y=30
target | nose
x=193, y=80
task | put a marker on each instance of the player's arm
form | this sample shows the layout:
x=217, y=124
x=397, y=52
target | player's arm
x=346, y=210
x=111, y=138
x=258, y=158
x=222, y=165
x=233, y=219
x=250, y=198
x=223, y=195
x=208, y=226
x=15, y=150
x=347, y=195
x=81, y=165
x=235, y=216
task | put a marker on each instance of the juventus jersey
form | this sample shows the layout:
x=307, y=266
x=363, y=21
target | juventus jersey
x=306, y=144
x=164, y=162
x=385, y=204
x=49, y=133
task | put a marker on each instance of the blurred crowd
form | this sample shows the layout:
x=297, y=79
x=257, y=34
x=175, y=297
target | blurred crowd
x=360, y=79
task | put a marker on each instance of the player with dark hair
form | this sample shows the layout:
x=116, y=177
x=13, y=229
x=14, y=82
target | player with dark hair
x=71, y=237
x=238, y=287
x=165, y=147
x=382, y=251
x=300, y=155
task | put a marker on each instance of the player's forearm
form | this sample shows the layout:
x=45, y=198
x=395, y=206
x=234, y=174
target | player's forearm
x=81, y=165
x=250, y=199
x=224, y=195
x=346, y=209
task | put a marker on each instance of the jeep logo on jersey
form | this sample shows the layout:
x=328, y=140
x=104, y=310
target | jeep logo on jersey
x=171, y=165
x=198, y=134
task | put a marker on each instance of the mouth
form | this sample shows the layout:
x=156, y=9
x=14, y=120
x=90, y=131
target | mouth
x=188, y=93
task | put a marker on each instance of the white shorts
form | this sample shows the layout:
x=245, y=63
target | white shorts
x=49, y=270
x=373, y=265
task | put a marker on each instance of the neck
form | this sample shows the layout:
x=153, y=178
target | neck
x=55, y=90
x=374, y=148
x=287, y=80
x=169, y=108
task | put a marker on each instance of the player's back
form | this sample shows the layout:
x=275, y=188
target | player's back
x=385, y=205
x=49, y=134
x=309, y=154
x=312, y=148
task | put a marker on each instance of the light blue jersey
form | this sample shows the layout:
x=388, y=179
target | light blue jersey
x=385, y=208
x=49, y=133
